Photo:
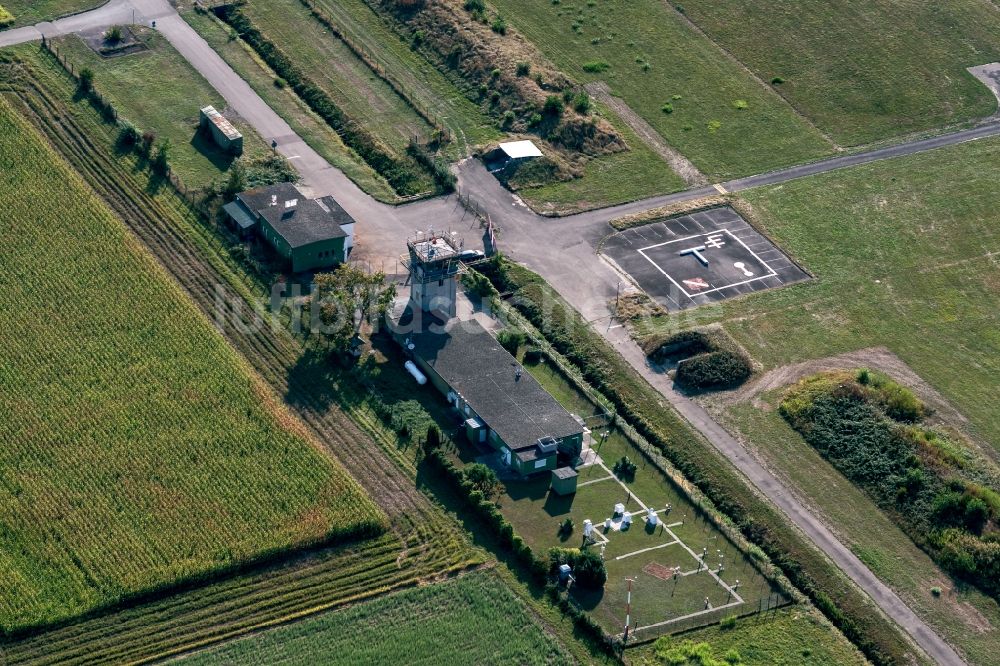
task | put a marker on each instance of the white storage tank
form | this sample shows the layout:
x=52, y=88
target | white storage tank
x=412, y=368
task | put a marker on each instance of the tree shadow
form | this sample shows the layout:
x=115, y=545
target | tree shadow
x=313, y=381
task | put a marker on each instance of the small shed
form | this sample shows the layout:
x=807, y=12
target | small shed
x=564, y=481
x=222, y=131
x=511, y=153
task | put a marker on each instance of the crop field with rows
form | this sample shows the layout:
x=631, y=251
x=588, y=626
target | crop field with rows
x=138, y=449
x=474, y=619
x=424, y=542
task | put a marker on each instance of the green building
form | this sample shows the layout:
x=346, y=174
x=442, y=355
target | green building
x=310, y=233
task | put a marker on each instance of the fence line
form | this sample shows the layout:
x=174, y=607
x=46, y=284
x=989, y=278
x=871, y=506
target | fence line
x=381, y=70
x=111, y=115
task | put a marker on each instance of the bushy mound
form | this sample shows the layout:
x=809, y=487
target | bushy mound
x=945, y=495
x=6, y=18
x=714, y=370
x=706, y=359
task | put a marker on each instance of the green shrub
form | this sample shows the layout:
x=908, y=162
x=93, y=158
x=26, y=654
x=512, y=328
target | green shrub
x=475, y=5
x=777, y=81
x=581, y=103
x=714, y=370
x=936, y=591
x=596, y=67
x=566, y=527
x=114, y=35
x=280, y=83
x=128, y=136
x=6, y=18
x=740, y=105
x=553, y=105
x=667, y=108
x=511, y=340
x=624, y=469
x=499, y=25
x=727, y=622
x=588, y=567
x=523, y=69
x=86, y=80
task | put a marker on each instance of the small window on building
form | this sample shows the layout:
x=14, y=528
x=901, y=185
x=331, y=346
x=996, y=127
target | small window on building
x=540, y=463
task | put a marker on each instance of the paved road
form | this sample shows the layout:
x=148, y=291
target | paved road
x=562, y=250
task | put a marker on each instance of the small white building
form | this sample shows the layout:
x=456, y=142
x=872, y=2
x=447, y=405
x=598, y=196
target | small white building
x=509, y=154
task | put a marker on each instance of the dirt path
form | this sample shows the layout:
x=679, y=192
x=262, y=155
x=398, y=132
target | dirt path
x=680, y=164
x=990, y=76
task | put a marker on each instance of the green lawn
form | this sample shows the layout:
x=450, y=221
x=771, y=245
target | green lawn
x=536, y=515
x=311, y=128
x=864, y=71
x=29, y=12
x=966, y=617
x=138, y=449
x=653, y=56
x=166, y=105
x=474, y=619
x=610, y=179
x=423, y=82
x=788, y=637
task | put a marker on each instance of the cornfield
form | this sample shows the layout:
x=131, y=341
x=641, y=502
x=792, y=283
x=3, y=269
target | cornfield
x=137, y=449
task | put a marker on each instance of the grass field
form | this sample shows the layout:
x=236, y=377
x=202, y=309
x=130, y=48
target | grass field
x=29, y=12
x=649, y=56
x=677, y=541
x=423, y=82
x=167, y=106
x=608, y=180
x=864, y=71
x=313, y=130
x=121, y=420
x=965, y=617
x=905, y=255
x=474, y=619
x=352, y=85
x=787, y=637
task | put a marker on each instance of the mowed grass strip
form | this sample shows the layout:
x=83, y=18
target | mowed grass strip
x=474, y=619
x=137, y=449
x=29, y=12
x=649, y=57
x=424, y=82
x=158, y=91
x=864, y=71
x=349, y=82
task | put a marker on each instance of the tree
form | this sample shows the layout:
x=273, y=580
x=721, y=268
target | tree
x=483, y=479
x=86, y=79
x=237, y=180
x=161, y=163
x=347, y=298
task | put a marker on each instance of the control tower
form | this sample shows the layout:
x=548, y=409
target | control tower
x=434, y=265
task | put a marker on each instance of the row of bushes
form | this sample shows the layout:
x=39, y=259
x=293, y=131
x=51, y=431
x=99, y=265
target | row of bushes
x=402, y=175
x=640, y=406
x=540, y=570
x=437, y=167
x=866, y=425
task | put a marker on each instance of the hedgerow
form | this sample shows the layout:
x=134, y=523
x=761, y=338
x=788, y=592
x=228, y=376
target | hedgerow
x=401, y=175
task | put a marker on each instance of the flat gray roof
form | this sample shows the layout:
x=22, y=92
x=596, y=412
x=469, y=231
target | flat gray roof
x=513, y=404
